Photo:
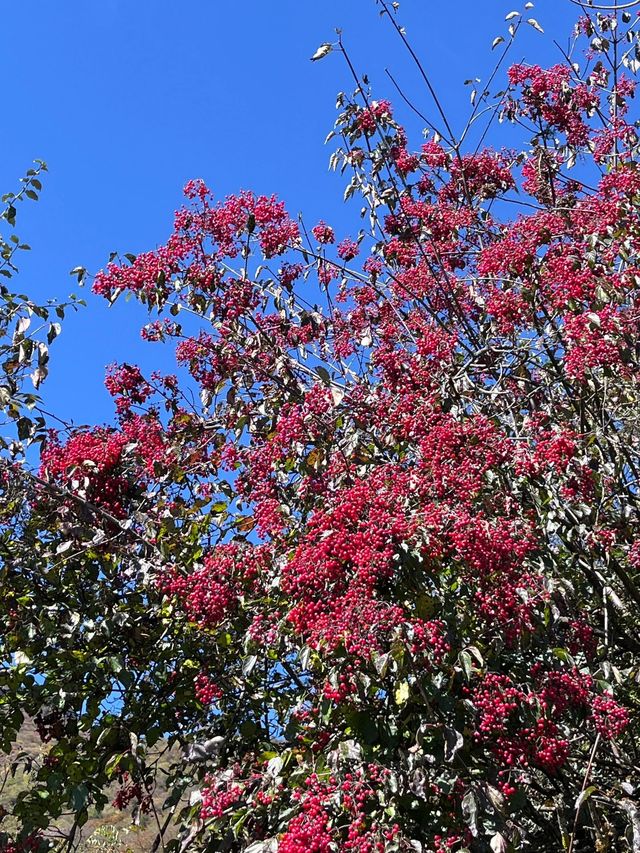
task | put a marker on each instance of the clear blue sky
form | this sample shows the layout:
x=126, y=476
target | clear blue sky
x=128, y=99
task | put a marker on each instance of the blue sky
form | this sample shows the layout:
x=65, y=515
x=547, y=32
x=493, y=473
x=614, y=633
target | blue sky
x=128, y=99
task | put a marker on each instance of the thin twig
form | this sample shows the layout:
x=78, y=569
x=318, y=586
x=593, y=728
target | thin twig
x=582, y=790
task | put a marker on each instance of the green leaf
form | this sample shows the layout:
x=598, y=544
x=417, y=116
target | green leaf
x=363, y=725
x=470, y=811
x=323, y=373
x=453, y=741
x=584, y=796
x=79, y=797
x=465, y=659
x=564, y=656
x=248, y=664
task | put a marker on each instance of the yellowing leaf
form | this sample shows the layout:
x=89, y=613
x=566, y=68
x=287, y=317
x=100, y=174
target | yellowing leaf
x=402, y=693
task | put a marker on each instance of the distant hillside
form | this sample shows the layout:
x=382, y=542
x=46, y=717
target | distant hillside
x=110, y=831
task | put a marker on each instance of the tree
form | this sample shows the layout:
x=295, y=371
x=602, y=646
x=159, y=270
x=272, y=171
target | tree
x=371, y=559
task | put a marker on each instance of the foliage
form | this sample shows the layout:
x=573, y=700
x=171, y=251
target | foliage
x=26, y=329
x=379, y=579
x=107, y=840
x=108, y=827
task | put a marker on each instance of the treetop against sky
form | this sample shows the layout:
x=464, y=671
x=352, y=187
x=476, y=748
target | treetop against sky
x=128, y=101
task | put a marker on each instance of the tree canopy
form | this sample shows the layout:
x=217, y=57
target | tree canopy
x=366, y=568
